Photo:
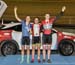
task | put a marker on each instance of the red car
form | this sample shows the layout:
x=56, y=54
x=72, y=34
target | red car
x=10, y=40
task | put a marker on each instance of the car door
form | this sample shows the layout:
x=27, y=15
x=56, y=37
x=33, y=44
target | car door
x=17, y=34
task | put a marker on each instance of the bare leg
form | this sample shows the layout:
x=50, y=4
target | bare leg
x=44, y=53
x=22, y=53
x=39, y=53
x=28, y=52
x=33, y=52
x=49, y=52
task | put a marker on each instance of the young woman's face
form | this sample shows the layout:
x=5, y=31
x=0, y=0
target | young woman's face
x=47, y=16
x=36, y=20
x=27, y=18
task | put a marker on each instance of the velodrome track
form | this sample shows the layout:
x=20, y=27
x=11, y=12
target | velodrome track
x=56, y=59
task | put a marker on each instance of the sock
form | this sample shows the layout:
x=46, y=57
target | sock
x=32, y=57
x=38, y=58
x=22, y=59
x=27, y=58
x=48, y=57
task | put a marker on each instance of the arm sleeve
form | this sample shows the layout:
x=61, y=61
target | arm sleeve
x=58, y=16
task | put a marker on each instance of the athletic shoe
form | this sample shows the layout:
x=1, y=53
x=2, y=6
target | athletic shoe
x=49, y=61
x=39, y=60
x=21, y=61
x=32, y=61
x=44, y=60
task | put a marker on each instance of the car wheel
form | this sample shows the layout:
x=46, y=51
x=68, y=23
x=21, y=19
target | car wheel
x=8, y=47
x=66, y=47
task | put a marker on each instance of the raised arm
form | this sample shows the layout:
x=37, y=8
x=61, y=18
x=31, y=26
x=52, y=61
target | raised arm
x=16, y=16
x=61, y=13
